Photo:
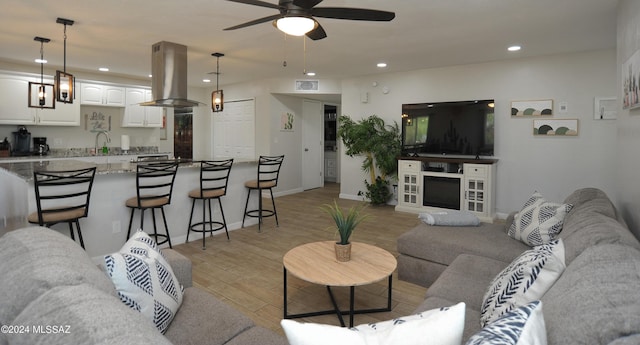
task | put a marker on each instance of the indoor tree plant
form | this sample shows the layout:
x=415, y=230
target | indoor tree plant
x=380, y=144
x=346, y=223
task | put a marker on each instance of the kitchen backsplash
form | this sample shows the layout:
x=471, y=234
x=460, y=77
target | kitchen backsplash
x=76, y=141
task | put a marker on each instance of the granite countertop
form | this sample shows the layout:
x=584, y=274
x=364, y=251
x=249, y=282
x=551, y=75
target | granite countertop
x=24, y=170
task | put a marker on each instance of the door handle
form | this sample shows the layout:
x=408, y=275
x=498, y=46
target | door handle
x=306, y=150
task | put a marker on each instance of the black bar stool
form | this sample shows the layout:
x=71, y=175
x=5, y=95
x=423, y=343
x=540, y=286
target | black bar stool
x=268, y=172
x=214, y=176
x=154, y=184
x=62, y=197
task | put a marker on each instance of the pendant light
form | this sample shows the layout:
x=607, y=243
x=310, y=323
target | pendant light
x=64, y=81
x=217, y=96
x=40, y=89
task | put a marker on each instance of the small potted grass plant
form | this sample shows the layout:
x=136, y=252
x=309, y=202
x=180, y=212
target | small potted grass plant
x=346, y=223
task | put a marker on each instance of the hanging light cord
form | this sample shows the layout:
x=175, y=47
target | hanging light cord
x=64, y=67
x=217, y=72
x=304, y=55
x=41, y=63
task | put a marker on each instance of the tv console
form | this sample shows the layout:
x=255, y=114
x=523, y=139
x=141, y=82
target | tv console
x=441, y=183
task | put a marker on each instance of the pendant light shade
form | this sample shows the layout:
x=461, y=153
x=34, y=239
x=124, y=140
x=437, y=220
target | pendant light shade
x=217, y=96
x=64, y=81
x=41, y=95
x=217, y=100
x=296, y=26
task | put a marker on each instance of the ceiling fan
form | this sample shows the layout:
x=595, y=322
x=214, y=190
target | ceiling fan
x=300, y=14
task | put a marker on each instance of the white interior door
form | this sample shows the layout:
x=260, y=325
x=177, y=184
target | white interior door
x=312, y=144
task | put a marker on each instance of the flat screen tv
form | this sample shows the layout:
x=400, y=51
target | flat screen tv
x=463, y=128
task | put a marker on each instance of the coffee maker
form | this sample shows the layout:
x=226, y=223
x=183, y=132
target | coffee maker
x=40, y=146
x=21, y=142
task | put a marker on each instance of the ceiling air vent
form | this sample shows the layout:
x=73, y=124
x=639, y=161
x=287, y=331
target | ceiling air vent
x=307, y=85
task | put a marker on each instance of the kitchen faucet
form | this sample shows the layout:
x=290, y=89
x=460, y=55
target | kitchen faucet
x=107, y=137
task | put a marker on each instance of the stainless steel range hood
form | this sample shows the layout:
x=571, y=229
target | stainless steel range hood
x=169, y=76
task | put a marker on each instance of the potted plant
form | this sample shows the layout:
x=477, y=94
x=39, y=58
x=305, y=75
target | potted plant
x=381, y=145
x=346, y=223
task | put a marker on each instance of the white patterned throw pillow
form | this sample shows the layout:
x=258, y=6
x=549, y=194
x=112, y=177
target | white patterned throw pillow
x=521, y=326
x=144, y=280
x=443, y=326
x=525, y=280
x=539, y=221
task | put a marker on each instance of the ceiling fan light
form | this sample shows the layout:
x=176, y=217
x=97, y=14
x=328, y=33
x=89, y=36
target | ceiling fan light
x=295, y=26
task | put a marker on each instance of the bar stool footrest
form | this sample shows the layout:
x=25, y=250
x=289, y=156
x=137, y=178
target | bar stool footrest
x=256, y=213
x=217, y=226
x=161, y=236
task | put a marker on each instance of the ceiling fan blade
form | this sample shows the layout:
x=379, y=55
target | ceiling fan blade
x=352, y=13
x=306, y=4
x=256, y=3
x=317, y=34
x=254, y=22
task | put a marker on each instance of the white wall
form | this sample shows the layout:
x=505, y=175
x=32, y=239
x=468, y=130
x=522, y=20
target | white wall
x=553, y=166
x=628, y=158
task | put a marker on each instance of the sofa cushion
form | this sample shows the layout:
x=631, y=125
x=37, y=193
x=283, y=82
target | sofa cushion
x=443, y=326
x=539, y=221
x=144, y=280
x=597, y=299
x=37, y=259
x=523, y=325
x=525, y=280
x=466, y=279
x=200, y=308
x=471, y=316
x=442, y=244
x=83, y=314
x=592, y=228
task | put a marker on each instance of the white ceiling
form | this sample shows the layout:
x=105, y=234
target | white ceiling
x=425, y=33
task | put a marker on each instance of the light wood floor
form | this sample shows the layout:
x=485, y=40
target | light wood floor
x=247, y=271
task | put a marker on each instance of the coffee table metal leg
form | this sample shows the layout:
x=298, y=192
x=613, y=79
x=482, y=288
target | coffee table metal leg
x=352, y=293
x=351, y=312
x=285, y=293
x=335, y=307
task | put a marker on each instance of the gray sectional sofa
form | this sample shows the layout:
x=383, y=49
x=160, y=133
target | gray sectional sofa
x=596, y=300
x=50, y=283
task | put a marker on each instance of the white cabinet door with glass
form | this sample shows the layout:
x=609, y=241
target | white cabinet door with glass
x=478, y=192
x=409, y=184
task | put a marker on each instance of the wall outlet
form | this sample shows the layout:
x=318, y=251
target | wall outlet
x=115, y=227
x=57, y=142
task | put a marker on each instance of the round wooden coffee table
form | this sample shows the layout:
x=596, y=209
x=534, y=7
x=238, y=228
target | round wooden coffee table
x=316, y=263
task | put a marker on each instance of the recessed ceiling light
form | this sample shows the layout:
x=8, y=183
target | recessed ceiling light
x=514, y=48
x=103, y=69
x=41, y=61
x=150, y=75
x=206, y=80
x=381, y=64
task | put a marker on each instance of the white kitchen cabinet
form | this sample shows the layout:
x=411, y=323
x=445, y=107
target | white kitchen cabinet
x=14, y=105
x=478, y=184
x=153, y=115
x=102, y=95
x=136, y=115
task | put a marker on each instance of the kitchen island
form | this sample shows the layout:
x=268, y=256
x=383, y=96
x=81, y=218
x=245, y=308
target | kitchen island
x=105, y=229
